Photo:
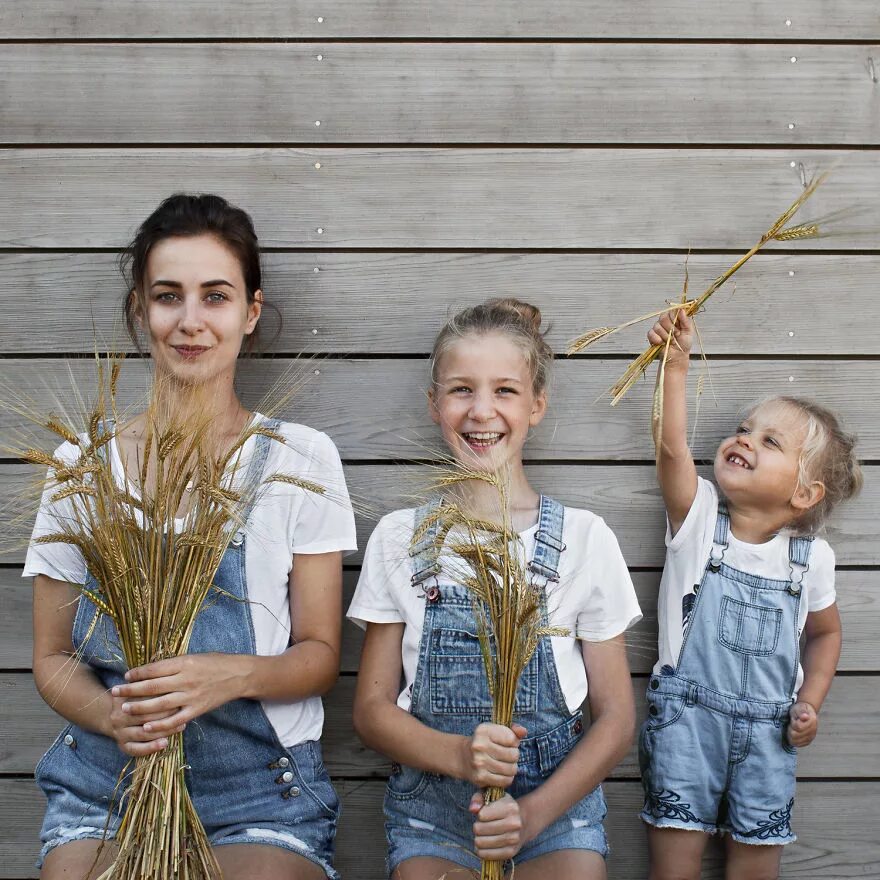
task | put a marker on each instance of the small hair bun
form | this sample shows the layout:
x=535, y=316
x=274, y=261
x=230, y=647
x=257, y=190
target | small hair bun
x=526, y=314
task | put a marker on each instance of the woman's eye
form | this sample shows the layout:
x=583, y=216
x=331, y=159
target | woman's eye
x=216, y=296
x=166, y=296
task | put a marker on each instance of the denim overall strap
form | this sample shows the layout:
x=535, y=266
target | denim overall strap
x=254, y=476
x=425, y=553
x=721, y=538
x=548, y=540
x=798, y=561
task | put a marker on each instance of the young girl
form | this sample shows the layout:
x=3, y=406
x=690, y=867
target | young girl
x=729, y=701
x=489, y=373
x=266, y=645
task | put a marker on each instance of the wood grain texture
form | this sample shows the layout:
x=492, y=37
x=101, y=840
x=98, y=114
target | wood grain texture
x=834, y=850
x=845, y=746
x=396, y=302
x=449, y=198
x=378, y=409
x=438, y=93
x=626, y=496
x=522, y=19
x=858, y=598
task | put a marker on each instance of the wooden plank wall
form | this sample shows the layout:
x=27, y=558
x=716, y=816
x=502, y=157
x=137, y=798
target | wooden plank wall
x=402, y=159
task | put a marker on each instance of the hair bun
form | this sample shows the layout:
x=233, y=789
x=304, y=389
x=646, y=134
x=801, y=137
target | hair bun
x=526, y=314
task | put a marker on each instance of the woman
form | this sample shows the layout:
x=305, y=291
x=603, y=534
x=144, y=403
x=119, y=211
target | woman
x=266, y=645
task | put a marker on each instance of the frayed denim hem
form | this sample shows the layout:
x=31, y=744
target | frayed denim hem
x=283, y=839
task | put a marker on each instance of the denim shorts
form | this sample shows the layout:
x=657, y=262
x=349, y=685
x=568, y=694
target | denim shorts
x=428, y=815
x=710, y=770
x=291, y=804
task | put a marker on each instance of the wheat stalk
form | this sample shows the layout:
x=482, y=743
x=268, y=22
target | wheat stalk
x=778, y=231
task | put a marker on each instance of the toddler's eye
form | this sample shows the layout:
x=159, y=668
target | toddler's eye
x=459, y=389
x=742, y=429
x=771, y=442
x=506, y=390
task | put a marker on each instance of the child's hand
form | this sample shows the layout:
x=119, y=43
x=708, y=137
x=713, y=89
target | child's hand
x=499, y=832
x=683, y=328
x=492, y=755
x=803, y=725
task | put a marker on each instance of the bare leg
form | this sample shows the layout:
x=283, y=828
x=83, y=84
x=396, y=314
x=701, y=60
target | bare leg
x=255, y=861
x=675, y=854
x=751, y=861
x=431, y=868
x=564, y=864
x=77, y=860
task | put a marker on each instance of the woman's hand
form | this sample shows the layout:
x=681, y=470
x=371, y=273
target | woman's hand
x=492, y=754
x=130, y=735
x=500, y=830
x=681, y=327
x=178, y=690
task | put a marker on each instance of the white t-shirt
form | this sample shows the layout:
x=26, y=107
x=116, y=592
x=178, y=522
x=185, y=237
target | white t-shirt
x=688, y=552
x=286, y=520
x=594, y=598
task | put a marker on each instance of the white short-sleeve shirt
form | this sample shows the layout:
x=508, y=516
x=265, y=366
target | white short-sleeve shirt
x=285, y=521
x=688, y=552
x=594, y=598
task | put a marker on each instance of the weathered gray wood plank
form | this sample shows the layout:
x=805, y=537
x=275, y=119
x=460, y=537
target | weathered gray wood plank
x=576, y=426
x=858, y=598
x=684, y=19
x=395, y=303
x=627, y=497
x=438, y=92
x=845, y=746
x=834, y=850
x=451, y=198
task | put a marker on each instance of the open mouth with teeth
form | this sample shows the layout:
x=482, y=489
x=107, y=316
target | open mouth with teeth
x=481, y=440
x=738, y=461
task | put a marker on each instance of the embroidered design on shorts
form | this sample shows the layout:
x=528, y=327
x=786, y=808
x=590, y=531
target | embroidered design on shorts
x=777, y=825
x=665, y=804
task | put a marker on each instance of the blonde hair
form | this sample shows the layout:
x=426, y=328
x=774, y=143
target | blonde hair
x=512, y=317
x=827, y=456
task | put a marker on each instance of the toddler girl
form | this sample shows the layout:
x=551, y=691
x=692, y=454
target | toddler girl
x=732, y=695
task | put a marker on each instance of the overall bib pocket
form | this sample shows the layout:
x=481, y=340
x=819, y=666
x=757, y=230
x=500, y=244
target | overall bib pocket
x=749, y=629
x=458, y=677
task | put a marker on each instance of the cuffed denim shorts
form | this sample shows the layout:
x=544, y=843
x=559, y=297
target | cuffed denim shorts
x=249, y=810
x=427, y=815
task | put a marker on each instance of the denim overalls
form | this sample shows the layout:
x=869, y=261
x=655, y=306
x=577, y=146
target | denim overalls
x=246, y=786
x=714, y=751
x=427, y=814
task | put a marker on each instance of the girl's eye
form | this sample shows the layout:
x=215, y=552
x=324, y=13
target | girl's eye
x=506, y=390
x=459, y=389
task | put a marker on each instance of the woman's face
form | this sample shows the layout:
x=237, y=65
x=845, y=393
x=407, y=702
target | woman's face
x=483, y=400
x=195, y=308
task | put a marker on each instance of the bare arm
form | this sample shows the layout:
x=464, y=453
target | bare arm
x=384, y=726
x=821, y=652
x=71, y=687
x=608, y=739
x=676, y=471
x=193, y=684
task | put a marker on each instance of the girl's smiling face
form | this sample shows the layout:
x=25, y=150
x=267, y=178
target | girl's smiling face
x=759, y=466
x=195, y=309
x=483, y=399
